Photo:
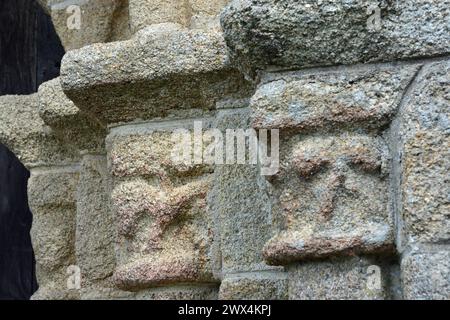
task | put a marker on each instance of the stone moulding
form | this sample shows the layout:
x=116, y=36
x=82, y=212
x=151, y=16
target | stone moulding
x=288, y=248
x=163, y=67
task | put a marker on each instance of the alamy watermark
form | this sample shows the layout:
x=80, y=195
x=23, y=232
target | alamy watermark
x=374, y=22
x=74, y=19
x=74, y=277
x=238, y=146
x=374, y=278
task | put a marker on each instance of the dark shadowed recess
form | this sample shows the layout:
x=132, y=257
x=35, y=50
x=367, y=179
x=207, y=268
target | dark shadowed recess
x=30, y=54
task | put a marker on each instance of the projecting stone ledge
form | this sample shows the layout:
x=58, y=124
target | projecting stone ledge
x=303, y=102
x=25, y=134
x=144, y=273
x=70, y=125
x=162, y=68
x=291, y=247
x=295, y=34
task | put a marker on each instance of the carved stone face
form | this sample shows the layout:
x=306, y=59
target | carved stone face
x=330, y=195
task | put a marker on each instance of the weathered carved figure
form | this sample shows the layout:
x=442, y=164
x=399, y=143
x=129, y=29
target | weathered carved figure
x=164, y=231
x=330, y=197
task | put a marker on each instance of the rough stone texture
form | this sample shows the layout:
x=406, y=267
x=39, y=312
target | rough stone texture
x=95, y=231
x=204, y=292
x=329, y=198
x=52, y=199
x=426, y=274
x=425, y=139
x=165, y=231
x=259, y=286
x=205, y=13
x=302, y=101
x=241, y=204
x=100, y=21
x=195, y=14
x=148, y=12
x=297, y=34
x=160, y=69
x=68, y=123
x=340, y=279
x=25, y=134
x=363, y=151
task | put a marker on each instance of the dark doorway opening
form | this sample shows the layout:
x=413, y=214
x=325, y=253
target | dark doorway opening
x=17, y=265
x=30, y=54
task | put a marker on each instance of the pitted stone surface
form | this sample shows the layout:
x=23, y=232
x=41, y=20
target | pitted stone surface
x=195, y=14
x=197, y=292
x=98, y=21
x=148, y=12
x=425, y=136
x=363, y=150
x=302, y=102
x=240, y=200
x=426, y=274
x=297, y=34
x=158, y=70
x=330, y=198
x=25, y=134
x=205, y=13
x=72, y=126
x=355, y=278
x=52, y=198
x=165, y=228
x=264, y=286
x=95, y=231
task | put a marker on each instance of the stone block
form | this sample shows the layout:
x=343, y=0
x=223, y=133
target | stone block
x=298, y=34
x=160, y=70
x=256, y=286
x=302, y=101
x=426, y=274
x=83, y=22
x=425, y=146
x=148, y=12
x=69, y=124
x=25, y=134
x=165, y=230
x=180, y=292
x=52, y=197
x=205, y=13
x=95, y=230
x=240, y=201
x=329, y=198
x=355, y=278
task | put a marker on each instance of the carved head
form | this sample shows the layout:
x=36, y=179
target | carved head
x=329, y=192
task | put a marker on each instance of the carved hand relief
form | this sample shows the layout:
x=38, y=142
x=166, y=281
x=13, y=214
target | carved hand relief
x=330, y=197
x=164, y=231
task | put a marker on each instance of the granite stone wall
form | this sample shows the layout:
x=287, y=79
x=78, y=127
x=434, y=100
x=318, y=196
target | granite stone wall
x=358, y=93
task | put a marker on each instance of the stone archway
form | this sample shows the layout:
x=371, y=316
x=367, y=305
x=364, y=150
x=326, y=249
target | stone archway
x=30, y=54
